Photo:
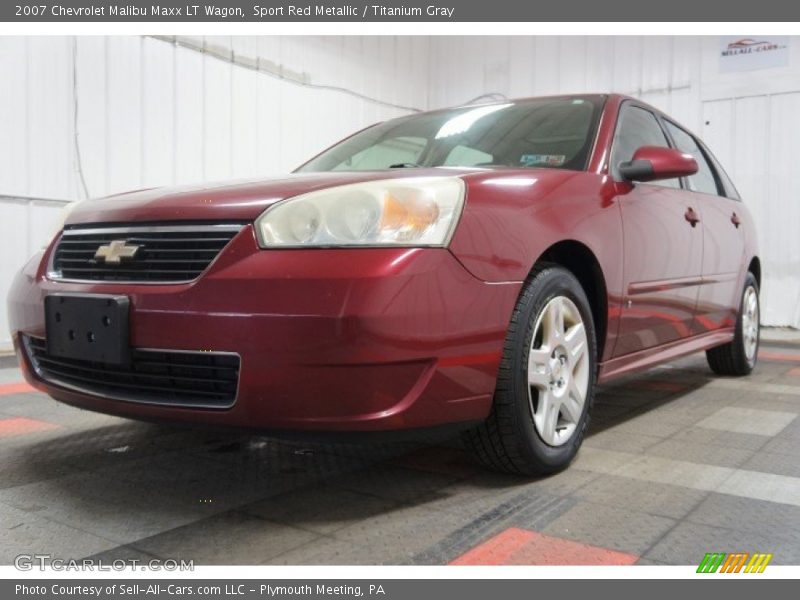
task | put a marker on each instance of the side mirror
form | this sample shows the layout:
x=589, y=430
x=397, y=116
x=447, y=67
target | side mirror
x=651, y=163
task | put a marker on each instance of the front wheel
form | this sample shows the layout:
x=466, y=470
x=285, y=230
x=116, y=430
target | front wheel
x=739, y=356
x=545, y=385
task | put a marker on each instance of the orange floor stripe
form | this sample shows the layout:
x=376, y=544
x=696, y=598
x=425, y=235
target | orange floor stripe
x=16, y=388
x=520, y=547
x=795, y=371
x=22, y=425
x=497, y=550
x=779, y=356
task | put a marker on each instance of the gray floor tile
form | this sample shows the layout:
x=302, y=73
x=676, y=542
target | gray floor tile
x=328, y=551
x=697, y=452
x=397, y=537
x=779, y=464
x=394, y=483
x=625, y=441
x=230, y=538
x=30, y=532
x=642, y=496
x=10, y=375
x=748, y=420
x=768, y=519
x=725, y=439
x=130, y=555
x=322, y=509
x=688, y=542
x=610, y=527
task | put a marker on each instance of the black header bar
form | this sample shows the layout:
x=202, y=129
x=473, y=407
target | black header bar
x=321, y=11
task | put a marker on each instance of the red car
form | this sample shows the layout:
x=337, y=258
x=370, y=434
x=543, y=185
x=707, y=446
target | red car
x=482, y=267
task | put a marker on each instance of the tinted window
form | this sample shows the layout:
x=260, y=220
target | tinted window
x=729, y=189
x=636, y=128
x=704, y=180
x=545, y=133
x=468, y=157
x=391, y=151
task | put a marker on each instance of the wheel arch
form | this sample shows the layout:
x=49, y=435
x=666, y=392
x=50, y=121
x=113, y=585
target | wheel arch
x=579, y=259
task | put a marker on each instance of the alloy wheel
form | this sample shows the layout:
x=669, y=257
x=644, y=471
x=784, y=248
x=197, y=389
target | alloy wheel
x=558, y=371
x=750, y=323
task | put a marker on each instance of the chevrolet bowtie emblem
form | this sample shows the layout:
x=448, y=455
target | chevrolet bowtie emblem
x=116, y=252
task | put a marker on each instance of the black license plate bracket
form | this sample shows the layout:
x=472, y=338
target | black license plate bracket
x=88, y=327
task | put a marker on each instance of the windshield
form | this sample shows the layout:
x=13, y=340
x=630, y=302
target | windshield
x=554, y=133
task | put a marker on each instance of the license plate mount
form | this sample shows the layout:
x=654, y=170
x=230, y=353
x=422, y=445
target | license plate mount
x=88, y=327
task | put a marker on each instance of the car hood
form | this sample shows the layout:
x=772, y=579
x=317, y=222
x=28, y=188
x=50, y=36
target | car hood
x=224, y=201
x=245, y=200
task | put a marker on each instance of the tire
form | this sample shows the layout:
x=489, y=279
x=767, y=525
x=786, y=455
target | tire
x=738, y=357
x=521, y=435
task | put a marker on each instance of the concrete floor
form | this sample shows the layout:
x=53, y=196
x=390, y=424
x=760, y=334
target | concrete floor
x=677, y=463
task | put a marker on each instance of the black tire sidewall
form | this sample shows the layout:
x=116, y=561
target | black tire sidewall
x=549, y=283
x=749, y=281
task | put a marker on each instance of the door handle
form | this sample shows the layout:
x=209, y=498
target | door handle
x=691, y=216
x=736, y=220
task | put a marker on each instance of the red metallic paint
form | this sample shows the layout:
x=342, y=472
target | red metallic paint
x=666, y=163
x=379, y=339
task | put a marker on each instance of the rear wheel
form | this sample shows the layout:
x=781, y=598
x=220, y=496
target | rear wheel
x=545, y=386
x=739, y=356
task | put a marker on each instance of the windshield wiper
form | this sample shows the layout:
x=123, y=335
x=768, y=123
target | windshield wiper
x=405, y=165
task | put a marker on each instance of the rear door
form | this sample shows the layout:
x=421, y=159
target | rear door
x=723, y=243
x=663, y=244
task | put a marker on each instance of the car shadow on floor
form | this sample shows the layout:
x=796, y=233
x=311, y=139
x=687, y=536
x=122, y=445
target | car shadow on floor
x=135, y=483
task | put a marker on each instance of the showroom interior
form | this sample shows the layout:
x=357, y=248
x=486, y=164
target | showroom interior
x=676, y=463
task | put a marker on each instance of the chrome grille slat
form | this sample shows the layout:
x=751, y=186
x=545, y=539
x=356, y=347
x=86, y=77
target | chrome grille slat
x=167, y=254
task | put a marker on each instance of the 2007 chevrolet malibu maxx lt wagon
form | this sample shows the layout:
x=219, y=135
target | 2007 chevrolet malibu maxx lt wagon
x=482, y=266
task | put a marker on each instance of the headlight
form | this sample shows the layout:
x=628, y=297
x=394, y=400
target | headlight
x=418, y=211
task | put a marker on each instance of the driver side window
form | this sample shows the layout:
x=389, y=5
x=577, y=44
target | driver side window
x=636, y=128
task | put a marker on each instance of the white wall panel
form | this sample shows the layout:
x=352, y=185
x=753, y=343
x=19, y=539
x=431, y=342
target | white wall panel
x=92, y=118
x=599, y=68
x=572, y=64
x=546, y=74
x=158, y=110
x=782, y=252
x=50, y=118
x=124, y=114
x=753, y=117
x=13, y=116
x=152, y=112
x=189, y=111
x=217, y=82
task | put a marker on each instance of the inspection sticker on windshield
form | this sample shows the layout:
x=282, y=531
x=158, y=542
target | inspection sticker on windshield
x=535, y=160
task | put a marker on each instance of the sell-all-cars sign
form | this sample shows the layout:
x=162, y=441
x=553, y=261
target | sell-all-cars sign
x=750, y=53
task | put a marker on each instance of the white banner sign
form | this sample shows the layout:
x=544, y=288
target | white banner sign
x=751, y=53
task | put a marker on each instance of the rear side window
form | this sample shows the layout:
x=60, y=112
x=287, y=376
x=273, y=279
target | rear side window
x=729, y=189
x=704, y=180
x=637, y=127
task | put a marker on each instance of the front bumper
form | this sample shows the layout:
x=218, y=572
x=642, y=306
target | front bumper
x=329, y=339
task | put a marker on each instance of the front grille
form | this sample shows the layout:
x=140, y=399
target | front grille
x=164, y=254
x=184, y=379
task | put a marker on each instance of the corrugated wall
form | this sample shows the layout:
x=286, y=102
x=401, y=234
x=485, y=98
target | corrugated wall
x=145, y=112
x=155, y=111
x=750, y=119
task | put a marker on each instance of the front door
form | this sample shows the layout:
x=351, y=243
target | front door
x=663, y=245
